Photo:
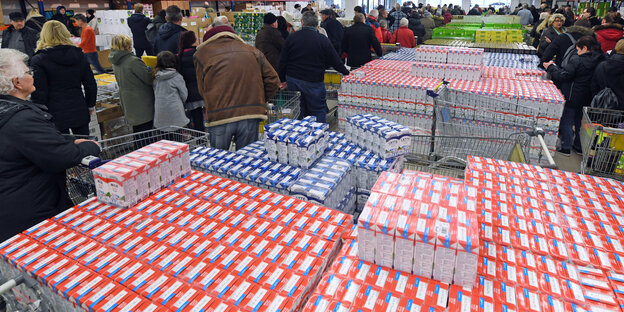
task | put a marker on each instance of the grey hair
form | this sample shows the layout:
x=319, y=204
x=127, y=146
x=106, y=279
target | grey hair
x=358, y=18
x=220, y=21
x=309, y=19
x=374, y=13
x=174, y=14
x=12, y=65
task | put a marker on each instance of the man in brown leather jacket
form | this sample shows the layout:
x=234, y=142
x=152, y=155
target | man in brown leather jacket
x=235, y=79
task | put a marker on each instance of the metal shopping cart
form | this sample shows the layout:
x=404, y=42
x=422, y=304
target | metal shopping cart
x=602, y=141
x=285, y=104
x=80, y=184
x=493, y=129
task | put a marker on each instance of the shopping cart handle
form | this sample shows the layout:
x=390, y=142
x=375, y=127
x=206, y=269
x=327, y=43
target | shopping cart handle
x=433, y=93
x=92, y=162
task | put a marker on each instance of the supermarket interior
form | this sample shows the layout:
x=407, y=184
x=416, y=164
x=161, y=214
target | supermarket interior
x=312, y=156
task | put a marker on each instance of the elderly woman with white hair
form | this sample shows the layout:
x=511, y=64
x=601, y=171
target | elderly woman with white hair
x=34, y=153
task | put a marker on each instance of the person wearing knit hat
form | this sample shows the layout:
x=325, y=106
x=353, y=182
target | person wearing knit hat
x=225, y=62
x=269, y=40
x=61, y=16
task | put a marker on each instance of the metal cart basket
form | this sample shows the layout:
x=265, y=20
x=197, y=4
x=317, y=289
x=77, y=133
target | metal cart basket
x=495, y=130
x=285, y=104
x=80, y=183
x=602, y=141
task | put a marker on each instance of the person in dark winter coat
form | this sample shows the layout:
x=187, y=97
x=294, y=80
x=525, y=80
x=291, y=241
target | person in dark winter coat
x=35, y=20
x=305, y=57
x=554, y=28
x=475, y=10
x=358, y=41
x=194, y=102
x=282, y=26
x=138, y=24
x=590, y=14
x=417, y=27
x=575, y=80
x=395, y=17
x=61, y=71
x=169, y=33
x=557, y=48
x=334, y=29
x=609, y=32
x=18, y=36
x=269, y=40
x=34, y=154
x=569, y=15
x=610, y=74
x=62, y=17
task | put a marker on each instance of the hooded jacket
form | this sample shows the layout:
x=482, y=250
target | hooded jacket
x=610, y=73
x=269, y=40
x=373, y=23
x=608, y=35
x=575, y=78
x=549, y=33
x=64, y=19
x=135, y=87
x=335, y=32
x=138, y=24
x=33, y=160
x=169, y=96
x=429, y=25
x=168, y=37
x=557, y=48
x=405, y=37
x=60, y=73
x=226, y=62
x=29, y=35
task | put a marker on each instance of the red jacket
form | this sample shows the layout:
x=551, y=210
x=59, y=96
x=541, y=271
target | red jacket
x=375, y=25
x=386, y=35
x=447, y=18
x=608, y=35
x=405, y=37
x=87, y=40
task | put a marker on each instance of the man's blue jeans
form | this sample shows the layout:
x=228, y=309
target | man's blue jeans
x=571, y=117
x=92, y=58
x=313, y=98
x=243, y=132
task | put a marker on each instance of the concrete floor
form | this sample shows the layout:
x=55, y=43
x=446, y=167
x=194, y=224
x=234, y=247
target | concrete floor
x=571, y=163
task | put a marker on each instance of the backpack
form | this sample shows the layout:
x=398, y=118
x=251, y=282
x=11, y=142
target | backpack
x=605, y=98
x=569, y=52
x=151, y=31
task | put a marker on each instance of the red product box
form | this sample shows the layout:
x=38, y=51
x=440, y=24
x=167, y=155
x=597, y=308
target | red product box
x=242, y=292
x=181, y=264
x=579, y=254
x=149, y=282
x=32, y=256
x=208, y=278
x=244, y=264
x=572, y=291
x=200, y=302
x=342, y=266
x=34, y=269
x=329, y=285
x=193, y=271
x=600, y=296
x=69, y=278
x=528, y=300
x=274, y=278
x=87, y=288
x=489, y=249
x=259, y=272
x=222, y=285
x=112, y=270
x=132, y=302
x=166, y=259
x=555, y=231
x=550, y=284
x=40, y=229
x=141, y=278
x=141, y=250
x=459, y=298
x=308, y=266
x=505, y=294
x=594, y=281
x=136, y=241
x=539, y=244
x=528, y=278
x=103, y=258
x=158, y=287
x=245, y=242
x=109, y=297
x=521, y=241
x=276, y=302
x=418, y=290
x=558, y=249
x=547, y=265
x=536, y=227
x=602, y=259
x=367, y=297
x=348, y=292
x=52, y=270
x=233, y=237
x=507, y=272
x=176, y=295
x=596, y=241
x=507, y=254
x=129, y=272
x=487, y=267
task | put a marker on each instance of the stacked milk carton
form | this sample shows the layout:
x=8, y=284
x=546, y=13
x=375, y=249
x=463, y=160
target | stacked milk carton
x=415, y=220
x=127, y=180
x=445, y=54
x=447, y=71
x=326, y=184
x=386, y=138
x=294, y=142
